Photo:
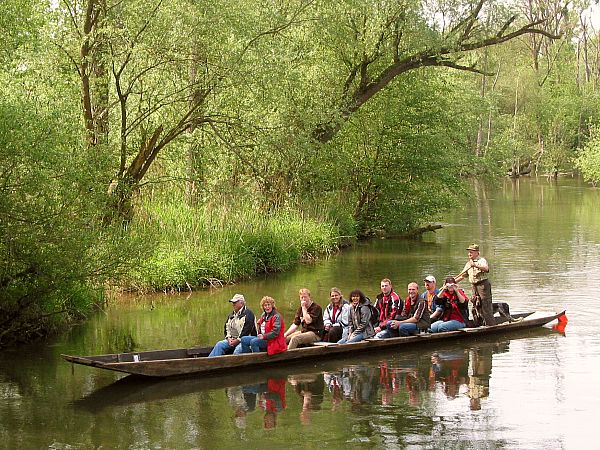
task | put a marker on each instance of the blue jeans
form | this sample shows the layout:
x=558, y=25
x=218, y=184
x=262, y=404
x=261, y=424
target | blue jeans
x=251, y=343
x=387, y=333
x=406, y=329
x=449, y=325
x=356, y=338
x=221, y=348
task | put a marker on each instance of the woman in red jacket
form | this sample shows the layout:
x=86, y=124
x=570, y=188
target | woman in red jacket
x=270, y=331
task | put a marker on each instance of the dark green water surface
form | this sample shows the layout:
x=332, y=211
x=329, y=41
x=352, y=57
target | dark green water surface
x=532, y=390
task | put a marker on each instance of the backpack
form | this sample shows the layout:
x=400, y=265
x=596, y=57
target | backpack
x=374, y=313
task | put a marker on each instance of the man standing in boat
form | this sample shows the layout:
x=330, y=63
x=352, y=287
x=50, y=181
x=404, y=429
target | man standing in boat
x=241, y=322
x=477, y=269
x=309, y=317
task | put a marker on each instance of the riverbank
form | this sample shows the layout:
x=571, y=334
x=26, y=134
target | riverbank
x=197, y=247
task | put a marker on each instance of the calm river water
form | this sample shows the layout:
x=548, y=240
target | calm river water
x=534, y=390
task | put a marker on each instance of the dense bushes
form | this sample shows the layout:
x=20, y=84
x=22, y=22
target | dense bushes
x=54, y=253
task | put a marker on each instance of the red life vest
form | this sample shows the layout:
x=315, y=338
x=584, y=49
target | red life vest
x=276, y=345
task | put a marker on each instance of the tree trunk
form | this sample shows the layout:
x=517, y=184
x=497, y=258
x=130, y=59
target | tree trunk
x=460, y=40
x=478, y=144
x=94, y=74
x=198, y=91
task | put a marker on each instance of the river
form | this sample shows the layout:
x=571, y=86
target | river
x=532, y=390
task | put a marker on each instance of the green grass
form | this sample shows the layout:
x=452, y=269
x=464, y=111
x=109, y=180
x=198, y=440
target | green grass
x=200, y=246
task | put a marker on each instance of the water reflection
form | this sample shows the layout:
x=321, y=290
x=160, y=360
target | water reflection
x=310, y=389
x=449, y=371
x=467, y=371
x=542, y=241
x=272, y=401
x=243, y=400
x=269, y=396
x=408, y=380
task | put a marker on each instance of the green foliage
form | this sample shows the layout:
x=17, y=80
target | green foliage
x=400, y=171
x=538, y=104
x=237, y=94
x=201, y=246
x=28, y=15
x=54, y=253
x=588, y=161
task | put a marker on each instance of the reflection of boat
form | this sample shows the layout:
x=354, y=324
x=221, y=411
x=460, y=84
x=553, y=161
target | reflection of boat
x=187, y=361
x=132, y=390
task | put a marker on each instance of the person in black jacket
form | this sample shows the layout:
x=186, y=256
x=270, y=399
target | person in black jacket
x=241, y=322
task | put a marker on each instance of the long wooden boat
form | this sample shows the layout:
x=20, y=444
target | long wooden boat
x=194, y=361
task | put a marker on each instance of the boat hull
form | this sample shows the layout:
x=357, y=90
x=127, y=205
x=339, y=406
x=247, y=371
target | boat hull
x=194, y=361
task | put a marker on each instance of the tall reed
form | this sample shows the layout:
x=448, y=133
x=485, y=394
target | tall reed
x=203, y=245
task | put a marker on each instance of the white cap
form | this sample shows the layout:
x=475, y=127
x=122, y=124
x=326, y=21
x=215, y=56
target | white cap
x=237, y=297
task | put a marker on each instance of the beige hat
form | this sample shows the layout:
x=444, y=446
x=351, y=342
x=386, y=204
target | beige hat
x=473, y=247
x=237, y=297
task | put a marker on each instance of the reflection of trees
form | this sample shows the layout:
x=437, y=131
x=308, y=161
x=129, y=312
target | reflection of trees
x=484, y=213
x=539, y=213
x=120, y=340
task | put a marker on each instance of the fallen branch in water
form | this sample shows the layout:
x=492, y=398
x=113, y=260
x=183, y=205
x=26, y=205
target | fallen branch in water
x=417, y=232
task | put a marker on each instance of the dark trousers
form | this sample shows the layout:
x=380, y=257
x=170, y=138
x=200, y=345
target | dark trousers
x=333, y=335
x=482, y=310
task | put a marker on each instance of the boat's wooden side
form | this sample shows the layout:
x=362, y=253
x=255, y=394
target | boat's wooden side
x=177, y=362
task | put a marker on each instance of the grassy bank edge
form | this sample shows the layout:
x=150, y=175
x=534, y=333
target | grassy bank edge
x=192, y=248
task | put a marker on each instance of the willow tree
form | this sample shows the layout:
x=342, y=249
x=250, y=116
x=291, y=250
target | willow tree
x=387, y=39
x=54, y=255
x=134, y=59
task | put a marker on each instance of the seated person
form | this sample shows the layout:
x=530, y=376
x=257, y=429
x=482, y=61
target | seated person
x=454, y=308
x=430, y=293
x=335, y=317
x=414, y=316
x=360, y=326
x=389, y=305
x=239, y=323
x=309, y=317
x=270, y=331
